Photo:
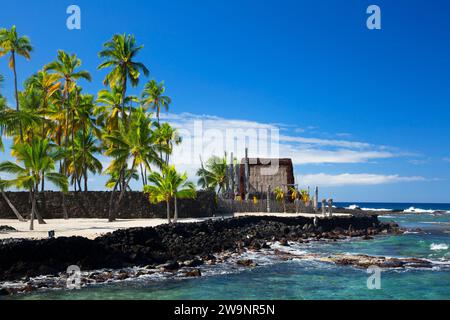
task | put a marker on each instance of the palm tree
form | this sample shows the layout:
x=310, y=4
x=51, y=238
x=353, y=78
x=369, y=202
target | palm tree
x=11, y=42
x=295, y=194
x=304, y=195
x=47, y=86
x=153, y=97
x=135, y=144
x=119, y=54
x=110, y=107
x=37, y=158
x=85, y=148
x=214, y=175
x=167, y=137
x=11, y=120
x=66, y=68
x=169, y=185
x=279, y=196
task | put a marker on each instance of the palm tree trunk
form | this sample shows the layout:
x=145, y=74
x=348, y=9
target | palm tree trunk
x=111, y=211
x=38, y=215
x=33, y=205
x=175, y=217
x=142, y=175
x=73, y=149
x=16, y=91
x=32, y=218
x=84, y=158
x=13, y=208
x=168, y=212
x=85, y=180
x=123, y=189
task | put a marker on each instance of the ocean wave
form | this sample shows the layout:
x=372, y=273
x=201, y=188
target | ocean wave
x=356, y=207
x=418, y=210
x=438, y=246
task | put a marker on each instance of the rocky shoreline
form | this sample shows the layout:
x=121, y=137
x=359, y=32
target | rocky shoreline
x=178, y=248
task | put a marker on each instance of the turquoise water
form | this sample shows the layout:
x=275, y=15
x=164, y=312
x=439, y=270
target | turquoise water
x=307, y=279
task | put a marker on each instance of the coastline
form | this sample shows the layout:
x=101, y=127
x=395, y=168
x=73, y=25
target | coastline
x=170, y=248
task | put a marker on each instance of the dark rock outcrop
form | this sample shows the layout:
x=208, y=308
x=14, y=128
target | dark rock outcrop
x=171, y=244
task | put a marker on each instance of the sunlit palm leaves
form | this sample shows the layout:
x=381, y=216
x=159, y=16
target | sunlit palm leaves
x=213, y=176
x=168, y=185
x=37, y=160
x=119, y=54
x=153, y=97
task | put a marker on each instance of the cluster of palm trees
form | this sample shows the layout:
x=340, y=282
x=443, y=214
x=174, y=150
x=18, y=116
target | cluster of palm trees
x=59, y=131
x=213, y=175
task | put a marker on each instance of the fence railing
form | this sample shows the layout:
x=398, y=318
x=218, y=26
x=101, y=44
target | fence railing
x=229, y=206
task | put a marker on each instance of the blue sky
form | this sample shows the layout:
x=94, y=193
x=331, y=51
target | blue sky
x=310, y=68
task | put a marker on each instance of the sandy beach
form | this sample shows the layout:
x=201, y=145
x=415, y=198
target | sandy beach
x=88, y=228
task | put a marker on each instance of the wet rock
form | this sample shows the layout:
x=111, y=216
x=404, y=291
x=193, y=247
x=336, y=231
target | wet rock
x=193, y=263
x=247, y=263
x=193, y=273
x=171, y=266
x=284, y=242
x=122, y=276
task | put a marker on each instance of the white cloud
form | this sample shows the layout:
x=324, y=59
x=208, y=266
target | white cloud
x=349, y=179
x=446, y=159
x=302, y=150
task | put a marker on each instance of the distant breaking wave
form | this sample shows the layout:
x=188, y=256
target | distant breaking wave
x=418, y=210
x=409, y=210
x=356, y=207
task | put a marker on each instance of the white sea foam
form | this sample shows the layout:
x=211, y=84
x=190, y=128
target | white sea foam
x=418, y=210
x=356, y=207
x=438, y=246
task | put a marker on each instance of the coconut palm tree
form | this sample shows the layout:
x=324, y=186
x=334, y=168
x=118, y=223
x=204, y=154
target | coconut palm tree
x=279, y=196
x=11, y=120
x=85, y=147
x=119, y=54
x=47, y=86
x=214, y=175
x=167, y=137
x=37, y=158
x=153, y=97
x=66, y=68
x=135, y=144
x=169, y=185
x=304, y=196
x=12, y=43
x=109, y=108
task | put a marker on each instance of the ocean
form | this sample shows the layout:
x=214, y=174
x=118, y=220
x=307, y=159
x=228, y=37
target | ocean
x=300, y=279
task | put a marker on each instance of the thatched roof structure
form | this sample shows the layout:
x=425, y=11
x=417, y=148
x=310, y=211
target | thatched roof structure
x=265, y=172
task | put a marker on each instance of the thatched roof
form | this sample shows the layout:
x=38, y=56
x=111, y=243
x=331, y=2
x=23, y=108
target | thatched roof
x=281, y=174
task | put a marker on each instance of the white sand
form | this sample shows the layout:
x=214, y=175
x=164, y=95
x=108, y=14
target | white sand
x=89, y=228
x=93, y=228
